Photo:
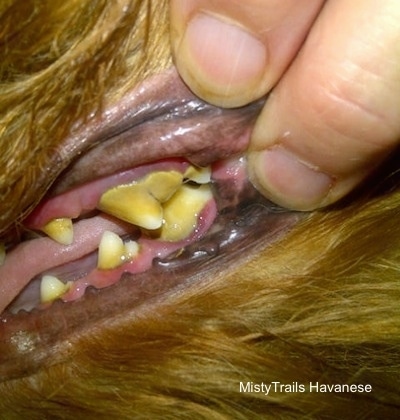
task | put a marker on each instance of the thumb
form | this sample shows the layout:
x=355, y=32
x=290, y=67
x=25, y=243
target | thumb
x=232, y=52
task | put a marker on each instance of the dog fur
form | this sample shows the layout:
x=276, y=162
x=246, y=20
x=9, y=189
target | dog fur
x=321, y=305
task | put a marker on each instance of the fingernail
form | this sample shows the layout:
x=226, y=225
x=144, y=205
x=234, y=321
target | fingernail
x=287, y=180
x=225, y=54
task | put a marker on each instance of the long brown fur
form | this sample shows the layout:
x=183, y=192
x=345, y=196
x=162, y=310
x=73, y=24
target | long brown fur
x=320, y=305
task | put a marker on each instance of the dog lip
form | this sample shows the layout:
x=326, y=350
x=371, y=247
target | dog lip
x=159, y=119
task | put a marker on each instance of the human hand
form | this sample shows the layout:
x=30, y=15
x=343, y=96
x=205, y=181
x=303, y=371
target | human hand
x=333, y=70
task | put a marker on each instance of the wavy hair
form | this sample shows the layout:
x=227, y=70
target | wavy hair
x=321, y=305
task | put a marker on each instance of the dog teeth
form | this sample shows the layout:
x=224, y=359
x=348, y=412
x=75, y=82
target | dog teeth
x=2, y=253
x=60, y=230
x=181, y=212
x=133, y=204
x=51, y=288
x=111, y=251
x=162, y=185
x=200, y=175
x=131, y=250
x=161, y=203
x=139, y=203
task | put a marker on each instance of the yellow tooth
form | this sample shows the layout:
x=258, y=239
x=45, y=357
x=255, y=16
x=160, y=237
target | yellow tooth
x=2, y=253
x=163, y=184
x=134, y=204
x=200, y=175
x=131, y=250
x=51, y=288
x=111, y=251
x=181, y=212
x=60, y=230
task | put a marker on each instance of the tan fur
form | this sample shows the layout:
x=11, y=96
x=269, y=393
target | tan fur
x=321, y=305
x=59, y=60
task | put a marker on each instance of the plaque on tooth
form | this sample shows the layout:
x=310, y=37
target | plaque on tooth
x=133, y=204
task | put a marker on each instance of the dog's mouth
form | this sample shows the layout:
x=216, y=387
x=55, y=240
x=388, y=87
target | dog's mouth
x=121, y=224
x=155, y=197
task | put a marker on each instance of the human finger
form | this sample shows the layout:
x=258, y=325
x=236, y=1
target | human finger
x=335, y=114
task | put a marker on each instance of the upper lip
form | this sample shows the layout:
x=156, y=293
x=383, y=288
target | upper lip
x=162, y=108
x=153, y=123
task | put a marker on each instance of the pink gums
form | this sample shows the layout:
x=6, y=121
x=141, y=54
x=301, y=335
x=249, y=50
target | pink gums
x=149, y=249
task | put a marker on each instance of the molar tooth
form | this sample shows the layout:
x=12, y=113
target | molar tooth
x=61, y=230
x=163, y=184
x=181, y=212
x=111, y=251
x=2, y=253
x=51, y=288
x=134, y=204
x=200, y=175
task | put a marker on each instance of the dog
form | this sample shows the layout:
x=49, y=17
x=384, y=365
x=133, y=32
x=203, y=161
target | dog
x=297, y=318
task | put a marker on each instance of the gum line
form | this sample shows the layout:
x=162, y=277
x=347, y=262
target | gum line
x=85, y=198
x=149, y=250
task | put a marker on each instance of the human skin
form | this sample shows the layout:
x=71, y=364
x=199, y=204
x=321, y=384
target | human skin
x=302, y=297
x=333, y=75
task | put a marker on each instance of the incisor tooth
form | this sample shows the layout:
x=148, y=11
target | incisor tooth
x=2, y=253
x=181, y=212
x=60, y=230
x=134, y=204
x=163, y=184
x=200, y=175
x=111, y=251
x=51, y=288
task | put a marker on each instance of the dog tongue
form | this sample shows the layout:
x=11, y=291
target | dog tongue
x=33, y=257
x=42, y=254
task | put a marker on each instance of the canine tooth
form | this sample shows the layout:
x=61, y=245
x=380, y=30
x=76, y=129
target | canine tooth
x=200, y=175
x=2, y=253
x=134, y=204
x=51, y=288
x=131, y=250
x=111, y=251
x=182, y=210
x=163, y=184
x=60, y=230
